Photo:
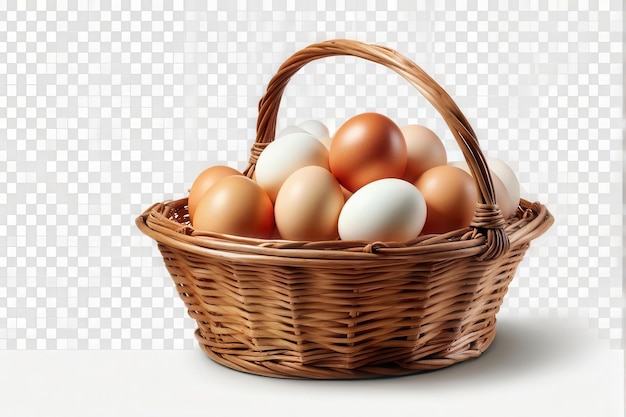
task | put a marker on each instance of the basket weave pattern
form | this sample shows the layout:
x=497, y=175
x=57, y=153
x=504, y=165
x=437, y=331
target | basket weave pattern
x=344, y=309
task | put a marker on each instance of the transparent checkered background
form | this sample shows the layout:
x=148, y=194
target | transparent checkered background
x=109, y=106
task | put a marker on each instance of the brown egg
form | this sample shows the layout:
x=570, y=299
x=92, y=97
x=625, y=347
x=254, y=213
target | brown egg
x=366, y=148
x=503, y=198
x=424, y=149
x=450, y=195
x=308, y=204
x=346, y=193
x=204, y=181
x=236, y=205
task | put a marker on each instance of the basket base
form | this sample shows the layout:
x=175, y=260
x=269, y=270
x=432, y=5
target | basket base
x=294, y=370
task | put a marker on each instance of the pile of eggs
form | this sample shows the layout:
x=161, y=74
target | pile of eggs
x=371, y=181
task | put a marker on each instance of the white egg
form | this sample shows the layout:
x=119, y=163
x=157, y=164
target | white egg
x=508, y=177
x=326, y=141
x=316, y=128
x=283, y=157
x=288, y=130
x=386, y=210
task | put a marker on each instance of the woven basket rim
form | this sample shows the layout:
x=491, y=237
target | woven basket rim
x=164, y=223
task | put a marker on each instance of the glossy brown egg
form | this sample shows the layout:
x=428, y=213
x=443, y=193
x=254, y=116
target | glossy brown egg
x=503, y=198
x=366, y=148
x=236, y=205
x=204, y=181
x=450, y=195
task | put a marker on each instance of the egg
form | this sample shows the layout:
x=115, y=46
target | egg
x=326, y=141
x=508, y=177
x=366, y=148
x=308, y=204
x=450, y=195
x=288, y=130
x=503, y=198
x=424, y=151
x=284, y=156
x=204, y=181
x=316, y=128
x=386, y=210
x=235, y=205
x=346, y=193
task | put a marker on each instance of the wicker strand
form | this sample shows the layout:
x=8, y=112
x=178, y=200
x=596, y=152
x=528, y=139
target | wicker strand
x=488, y=217
x=255, y=152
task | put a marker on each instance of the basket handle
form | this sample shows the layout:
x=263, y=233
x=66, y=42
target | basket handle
x=487, y=215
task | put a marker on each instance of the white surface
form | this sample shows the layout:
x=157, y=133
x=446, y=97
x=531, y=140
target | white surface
x=535, y=367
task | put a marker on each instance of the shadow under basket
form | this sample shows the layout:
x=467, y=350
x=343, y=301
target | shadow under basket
x=346, y=309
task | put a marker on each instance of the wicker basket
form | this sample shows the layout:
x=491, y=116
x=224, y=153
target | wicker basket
x=346, y=309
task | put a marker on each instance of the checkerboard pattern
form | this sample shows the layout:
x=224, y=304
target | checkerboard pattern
x=109, y=106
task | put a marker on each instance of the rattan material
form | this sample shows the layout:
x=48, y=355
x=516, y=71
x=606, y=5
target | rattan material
x=345, y=309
